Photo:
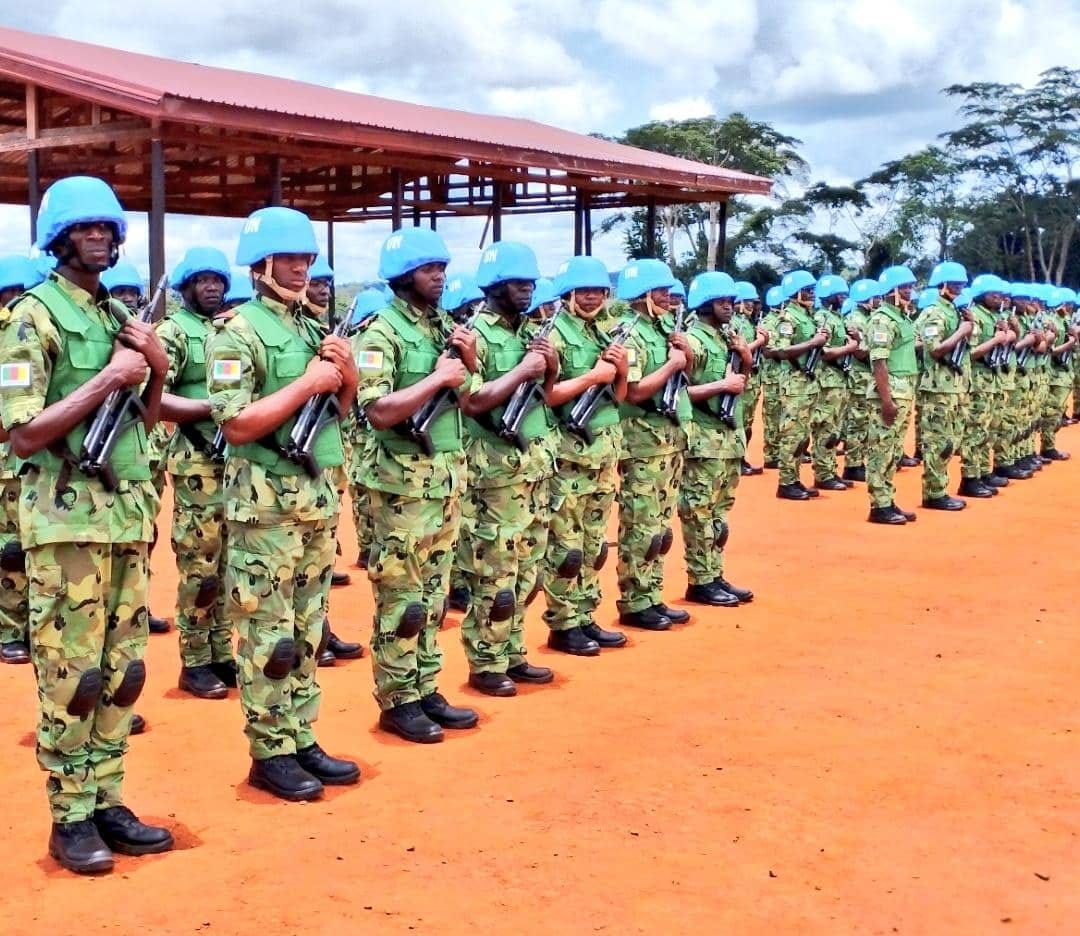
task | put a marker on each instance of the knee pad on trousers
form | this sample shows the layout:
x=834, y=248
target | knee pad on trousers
x=131, y=686
x=324, y=639
x=722, y=535
x=666, y=540
x=832, y=441
x=87, y=693
x=208, y=591
x=412, y=620
x=601, y=558
x=535, y=591
x=946, y=452
x=502, y=608
x=13, y=558
x=655, y=545
x=801, y=448
x=281, y=659
x=571, y=565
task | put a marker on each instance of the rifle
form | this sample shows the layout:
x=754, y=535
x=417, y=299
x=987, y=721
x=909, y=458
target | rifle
x=726, y=402
x=583, y=408
x=955, y=359
x=526, y=397
x=111, y=419
x=1024, y=355
x=315, y=415
x=998, y=358
x=677, y=382
x=417, y=427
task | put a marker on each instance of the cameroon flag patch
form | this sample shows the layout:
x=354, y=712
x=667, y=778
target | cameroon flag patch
x=14, y=375
x=227, y=371
x=369, y=360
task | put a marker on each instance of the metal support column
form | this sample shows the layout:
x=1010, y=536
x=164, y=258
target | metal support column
x=157, y=211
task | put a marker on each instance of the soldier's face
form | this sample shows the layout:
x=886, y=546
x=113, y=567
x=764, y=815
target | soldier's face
x=93, y=242
x=318, y=291
x=290, y=270
x=805, y=298
x=209, y=290
x=993, y=301
x=590, y=300
x=6, y=295
x=429, y=281
x=128, y=295
x=519, y=294
x=661, y=298
x=951, y=290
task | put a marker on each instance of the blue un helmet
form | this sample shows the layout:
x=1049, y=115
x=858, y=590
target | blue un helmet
x=746, y=292
x=895, y=277
x=204, y=260
x=581, y=273
x=948, y=272
x=275, y=230
x=1022, y=290
x=320, y=270
x=988, y=283
x=409, y=249
x=774, y=297
x=79, y=200
x=926, y=299
x=543, y=294
x=830, y=285
x=1059, y=297
x=15, y=272
x=678, y=290
x=964, y=299
x=795, y=282
x=865, y=290
x=705, y=287
x=239, y=290
x=123, y=275
x=460, y=290
x=40, y=267
x=847, y=306
x=504, y=261
x=368, y=303
x=643, y=276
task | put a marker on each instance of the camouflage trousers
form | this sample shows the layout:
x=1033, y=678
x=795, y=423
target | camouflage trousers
x=1057, y=395
x=1040, y=389
x=884, y=446
x=857, y=426
x=706, y=495
x=88, y=628
x=502, y=566
x=198, y=541
x=410, y=571
x=1007, y=448
x=14, y=608
x=977, y=447
x=941, y=416
x=647, y=493
x=580, y=501
x=827, y=428
x=458, y=578
x=796, y=407
x=1076, y=385
x=277, y=580
x=770, y=420
x=361, y=511
x=748, y=403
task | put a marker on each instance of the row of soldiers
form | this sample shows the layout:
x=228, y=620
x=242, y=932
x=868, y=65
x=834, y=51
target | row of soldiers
x=987, y=367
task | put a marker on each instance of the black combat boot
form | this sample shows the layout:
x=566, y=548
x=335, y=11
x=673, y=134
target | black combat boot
x=607, y=639
x=887, y=515
x=648, y=619
x=973, y=487
x=493, y=684
x=944, y=503
x=855, y=473
x=443, y=713
x=285, y=778
x=228, y=672
x=574, y=641
x=334, y=771
x=344, y=649
x=794, y=492
x=711, y=594
x=527, y=673
x=79, y=847
x=744, y=595
x=126, y=834
x=202, y=682
x=408, y=721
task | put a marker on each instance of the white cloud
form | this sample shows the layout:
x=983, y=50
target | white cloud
x=682, y=108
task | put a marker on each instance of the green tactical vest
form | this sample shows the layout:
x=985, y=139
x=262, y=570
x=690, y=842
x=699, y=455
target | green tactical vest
x=655, y=345
x=903, y=362
x=861, y=320
x=417, y=362
x=805, y=329
x=715, y=369
x=191, y=381
x=87, y=348
x=287, y=357
x=505, y=350
x=580, y=356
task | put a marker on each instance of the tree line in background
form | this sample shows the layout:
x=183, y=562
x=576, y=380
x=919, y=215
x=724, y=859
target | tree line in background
x=999, y=194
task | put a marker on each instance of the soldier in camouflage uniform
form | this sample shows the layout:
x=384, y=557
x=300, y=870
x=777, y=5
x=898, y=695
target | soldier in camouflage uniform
x=770, y=381
x=717, y=440
x=196, y=468
x=891, y=341
x=1059, y=373
x=415, y=481
x=943, y=387
x=833, y=390
x=1014, y=385
x=865, y=297
x=15, y=274
x=797, y=335
x=1030, y=347
x=653, y=446
x=745, y=323
x=501, y=558
x=63, y=351
x=265, y=360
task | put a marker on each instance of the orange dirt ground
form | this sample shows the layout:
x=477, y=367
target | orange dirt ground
x=885, y=741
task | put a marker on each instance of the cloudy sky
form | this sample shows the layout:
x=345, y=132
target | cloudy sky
x=858, y=81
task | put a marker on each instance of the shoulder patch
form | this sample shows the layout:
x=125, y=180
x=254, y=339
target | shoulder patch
x=931, y=331
x=223, y=318
x=786, y=329
x=228, y=371
x=881, y=336
x=369, y=359
x=13, y=376
x=631, y=355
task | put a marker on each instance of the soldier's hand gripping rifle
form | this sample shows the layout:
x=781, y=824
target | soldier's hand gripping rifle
x=955, y=360
x=315, y=415
x=525, y=398
x=727, y=402
x=581, y=413
x=120, y=410
x=813, y=357
x=677, y=382
x=418, y=426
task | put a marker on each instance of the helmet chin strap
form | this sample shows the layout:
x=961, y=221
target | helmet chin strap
x=580, y=312
x=654, y=310
x=266, y=277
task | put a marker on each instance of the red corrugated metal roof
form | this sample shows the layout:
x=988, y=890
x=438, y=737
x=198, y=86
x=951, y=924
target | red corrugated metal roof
x=157, y=87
